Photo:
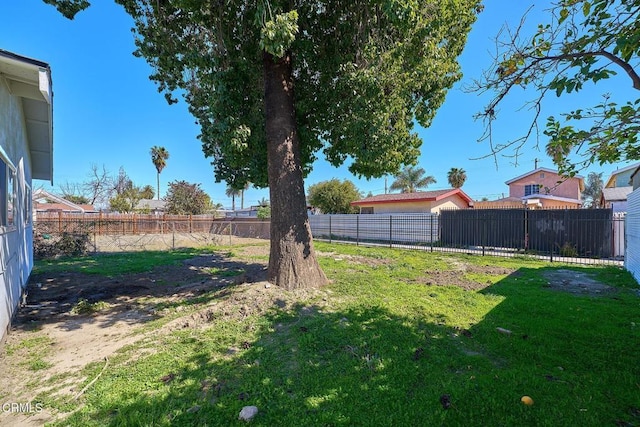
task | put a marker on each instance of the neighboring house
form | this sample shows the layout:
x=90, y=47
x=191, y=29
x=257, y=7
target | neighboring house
x=157, y=207
x=26, y=153
x=632, y=227
x=43, y=201
x=617, y=189
x=541, y=188
x=250, y=212
x=418, y=202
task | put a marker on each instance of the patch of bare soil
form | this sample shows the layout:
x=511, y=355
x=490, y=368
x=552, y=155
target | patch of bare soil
x=458, y=276
x=451, y=278
x=128, y=302
x=576, y=282
x=356, y=259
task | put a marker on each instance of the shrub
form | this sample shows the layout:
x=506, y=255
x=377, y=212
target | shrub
x=68, y=244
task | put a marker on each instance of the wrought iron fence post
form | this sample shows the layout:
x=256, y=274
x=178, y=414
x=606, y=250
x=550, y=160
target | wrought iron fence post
x=553, y=234
x=358, y=230
x=431, y=231
x=484, y=234
x=330, y=232
x=390, y=231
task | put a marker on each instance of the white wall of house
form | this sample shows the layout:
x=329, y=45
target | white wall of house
x=419, y=206
x=16, y=235
x=632, y=234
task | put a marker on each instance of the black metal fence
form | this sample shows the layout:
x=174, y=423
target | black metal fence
x=571, y=235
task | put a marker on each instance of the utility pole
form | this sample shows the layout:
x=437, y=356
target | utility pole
x=535, y=162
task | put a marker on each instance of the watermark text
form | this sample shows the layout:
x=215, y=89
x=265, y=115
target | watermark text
x=21, y=407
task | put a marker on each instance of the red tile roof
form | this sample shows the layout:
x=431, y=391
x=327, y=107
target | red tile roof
x=420, y=196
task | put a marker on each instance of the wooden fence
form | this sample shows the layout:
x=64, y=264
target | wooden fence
x=129, y=224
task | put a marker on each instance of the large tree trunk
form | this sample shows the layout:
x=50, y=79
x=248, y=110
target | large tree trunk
x=292, y=260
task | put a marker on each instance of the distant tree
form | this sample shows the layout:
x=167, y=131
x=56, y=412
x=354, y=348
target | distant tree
x=122, y=183
x=263, y=202
x=333, y=196
x=592, y=190
x=78, y=200
x=264, y=212
x=147, y=192
x=233, y=193
x=72, y=191
x=184, y=198
x=456, y=177
x=126, y=200
x=98, y=187
x=242, y=190
x=126, y=194
x=159, y=157
x=411, y=179
x=581, y=43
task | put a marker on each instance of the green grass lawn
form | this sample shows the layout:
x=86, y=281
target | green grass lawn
x=380, y=347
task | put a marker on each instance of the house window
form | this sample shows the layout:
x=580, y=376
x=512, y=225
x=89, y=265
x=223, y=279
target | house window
x=11, y=197
x=7, y=194
x=366, y=210
x=532, y=189
x=28, y=205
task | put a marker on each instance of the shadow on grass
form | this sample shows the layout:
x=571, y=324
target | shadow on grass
x=73, y=298
x=367, y=365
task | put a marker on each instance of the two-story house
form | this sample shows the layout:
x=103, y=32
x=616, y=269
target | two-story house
x=541, y=188
x=617, y=188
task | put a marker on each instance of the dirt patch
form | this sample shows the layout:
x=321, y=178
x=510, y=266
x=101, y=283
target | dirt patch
x=461, y=275
x=356, y=259
x=576, y=282
x=74, y=338
x=451, y=278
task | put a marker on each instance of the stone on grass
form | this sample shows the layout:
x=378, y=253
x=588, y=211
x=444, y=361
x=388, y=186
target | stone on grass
x=247, y=413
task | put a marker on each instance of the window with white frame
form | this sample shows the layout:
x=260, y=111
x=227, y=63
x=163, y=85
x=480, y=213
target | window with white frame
x=532, y=189
x=27, y=205
x=7, y=194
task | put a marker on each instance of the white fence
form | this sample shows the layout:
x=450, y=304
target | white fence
x=632, y=233
x=415, y=229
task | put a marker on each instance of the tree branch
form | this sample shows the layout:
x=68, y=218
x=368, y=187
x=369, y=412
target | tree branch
x=635, y=78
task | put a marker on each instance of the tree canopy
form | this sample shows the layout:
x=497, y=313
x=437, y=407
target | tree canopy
x=334, y=196
x=583, y=42
x=456, y=177
x=184, y=198
x=592, y=190
x=159, y=157
x=363, y=70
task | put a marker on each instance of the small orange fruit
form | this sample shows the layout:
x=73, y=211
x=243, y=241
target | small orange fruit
x=527, y=400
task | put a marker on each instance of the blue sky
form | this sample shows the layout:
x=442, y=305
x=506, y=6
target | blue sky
x=107, y=111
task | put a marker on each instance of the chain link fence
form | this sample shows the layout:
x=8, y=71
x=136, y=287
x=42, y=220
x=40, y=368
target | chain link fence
x=123, y=232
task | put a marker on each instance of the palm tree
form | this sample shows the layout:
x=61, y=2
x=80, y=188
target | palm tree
x=410, y=179
x=457, y=177
x=159, y=156
x=232, y=192
x=246, y=187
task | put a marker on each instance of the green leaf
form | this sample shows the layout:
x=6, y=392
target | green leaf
x=564, y=14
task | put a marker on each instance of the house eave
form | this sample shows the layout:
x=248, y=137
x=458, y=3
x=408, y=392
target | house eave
x=30, y=81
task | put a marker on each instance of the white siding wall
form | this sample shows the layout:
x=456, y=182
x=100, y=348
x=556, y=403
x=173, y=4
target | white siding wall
x=632, y=255
x=16, y=242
